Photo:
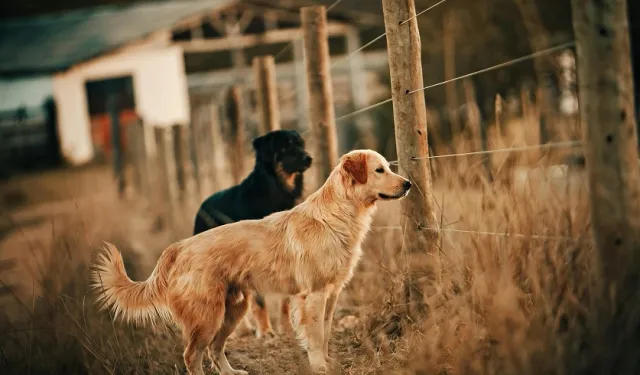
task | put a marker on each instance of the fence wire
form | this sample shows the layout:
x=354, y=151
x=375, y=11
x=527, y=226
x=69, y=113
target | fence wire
x=494, y=67
x=499, y=150
x=485, y=233
x=366, y=45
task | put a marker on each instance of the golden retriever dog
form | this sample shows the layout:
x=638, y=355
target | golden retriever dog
x=309, y=252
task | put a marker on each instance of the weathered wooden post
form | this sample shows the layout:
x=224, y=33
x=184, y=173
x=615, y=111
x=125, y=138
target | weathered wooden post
x=359, y=98
x=235, y=114
x=167, y=171
x=410, y=118
x=134, y=155
x=218, y=156
x=320, y=89
x=194, y=152
x=607, y=105
x=116, y=144
x=264, y=70
x=181, y=157
x=479, y=136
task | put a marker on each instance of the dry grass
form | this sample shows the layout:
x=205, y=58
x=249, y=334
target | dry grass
x=503, y=306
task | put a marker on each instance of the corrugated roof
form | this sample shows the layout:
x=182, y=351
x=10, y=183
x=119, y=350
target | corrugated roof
x=56, y=42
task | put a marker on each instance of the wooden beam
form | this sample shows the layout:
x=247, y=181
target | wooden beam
x=270, y=20
x=246, y=41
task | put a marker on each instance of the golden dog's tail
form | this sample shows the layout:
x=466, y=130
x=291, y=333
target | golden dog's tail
x=137, y=301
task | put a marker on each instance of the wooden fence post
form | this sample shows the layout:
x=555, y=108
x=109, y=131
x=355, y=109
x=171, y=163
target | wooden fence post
x=181, y=157
x=410, y=118
x=235, y=141
x=218, y=157
x=264, y=70
x=116, y=143
x=606, y=92
x=132, y=155
x=320, y=89
x=359, y=98
x=167, y=172
x=479, y=136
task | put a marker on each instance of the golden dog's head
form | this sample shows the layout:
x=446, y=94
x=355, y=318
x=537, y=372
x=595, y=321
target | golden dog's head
x=368, y=177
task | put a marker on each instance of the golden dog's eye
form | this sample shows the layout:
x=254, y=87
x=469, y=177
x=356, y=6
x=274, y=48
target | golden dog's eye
x=380, y=170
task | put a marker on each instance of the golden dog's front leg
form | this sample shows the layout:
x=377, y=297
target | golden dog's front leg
x=332, y=301
x=308, y=312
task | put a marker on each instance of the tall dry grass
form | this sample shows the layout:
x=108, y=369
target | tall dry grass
x=504, y=305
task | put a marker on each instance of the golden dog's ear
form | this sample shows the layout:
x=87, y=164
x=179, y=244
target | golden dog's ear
x=356, y=166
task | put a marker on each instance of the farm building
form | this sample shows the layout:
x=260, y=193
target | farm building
x=163, y=61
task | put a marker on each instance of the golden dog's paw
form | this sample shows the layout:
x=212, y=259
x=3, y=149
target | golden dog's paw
x=319, y=366
x=332, y=362
x=268, y=334
x=235, y=372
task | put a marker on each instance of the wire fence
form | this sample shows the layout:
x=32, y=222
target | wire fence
x=485, y=233
x=412, y=90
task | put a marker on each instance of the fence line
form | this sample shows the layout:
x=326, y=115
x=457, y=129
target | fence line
x=501, y=65
x=508, y=149
x=484, y=233
x=349, y=56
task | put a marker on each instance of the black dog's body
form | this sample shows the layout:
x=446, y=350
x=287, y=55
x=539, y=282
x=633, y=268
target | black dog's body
x=275, y=184
x=257, y=196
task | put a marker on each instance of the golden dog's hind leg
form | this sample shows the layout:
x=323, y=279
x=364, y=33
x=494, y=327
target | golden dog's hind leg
x=197, y=338
x=308, y=316
x=259, y=310
x=235, y=311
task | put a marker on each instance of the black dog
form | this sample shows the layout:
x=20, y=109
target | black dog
x=275, y=184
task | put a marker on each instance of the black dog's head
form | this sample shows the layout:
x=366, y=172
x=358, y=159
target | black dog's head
x=284, y=150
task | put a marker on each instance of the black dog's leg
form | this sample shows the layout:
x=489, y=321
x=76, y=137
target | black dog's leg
x=259, y=310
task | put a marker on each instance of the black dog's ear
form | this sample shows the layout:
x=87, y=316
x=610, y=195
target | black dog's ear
x=262, y=147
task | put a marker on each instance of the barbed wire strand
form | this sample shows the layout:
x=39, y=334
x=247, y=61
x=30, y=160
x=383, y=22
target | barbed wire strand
x=350, y=55
x=421, y=13
x=501, y=65
x=354, y=113
x=290, y=44
x=508, y=149
x=485, y=233
x=504, y=64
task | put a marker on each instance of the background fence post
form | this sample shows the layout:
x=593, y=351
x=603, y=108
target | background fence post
x=181, y=157
x=410, y=118
x=606, y=92
x=218, y=157
x=236, y=136
x=264, y=70
x=166, y=172
x=134, y=155
x=320, y=89
x=116, y=143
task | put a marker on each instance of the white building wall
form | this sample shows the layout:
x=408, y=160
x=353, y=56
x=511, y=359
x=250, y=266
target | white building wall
x=160, y=91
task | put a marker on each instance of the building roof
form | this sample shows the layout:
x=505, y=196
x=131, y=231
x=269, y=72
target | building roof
x=50, y=43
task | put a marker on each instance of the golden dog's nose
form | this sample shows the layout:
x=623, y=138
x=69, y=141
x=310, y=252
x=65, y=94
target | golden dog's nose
x=407, y=185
